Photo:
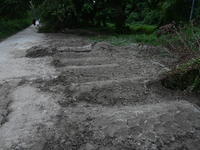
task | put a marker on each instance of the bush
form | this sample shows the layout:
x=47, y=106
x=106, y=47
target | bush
x=147, y=39
x=186, y=45
x=9, y=27
x=185, y=77
x=134, y=16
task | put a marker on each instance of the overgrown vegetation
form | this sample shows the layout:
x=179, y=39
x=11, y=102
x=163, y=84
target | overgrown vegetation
x=78, y=13
x=185, y=77
x=14, y=16
x=184, y=43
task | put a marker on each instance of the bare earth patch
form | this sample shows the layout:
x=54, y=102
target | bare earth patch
x=97, y=99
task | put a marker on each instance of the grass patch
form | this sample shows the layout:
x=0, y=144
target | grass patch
x=136, y=34
x=149, y=39
x=122, y=40
x=142, y=29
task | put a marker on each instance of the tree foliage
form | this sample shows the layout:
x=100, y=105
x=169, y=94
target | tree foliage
x=13, y=9
x=177, y=10
x=70, y=13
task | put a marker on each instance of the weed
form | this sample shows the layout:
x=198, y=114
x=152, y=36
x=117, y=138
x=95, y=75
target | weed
x=187, y=47
x=184, y=77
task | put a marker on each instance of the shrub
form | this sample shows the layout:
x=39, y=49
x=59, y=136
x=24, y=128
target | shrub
x=142, y=29
x=9, y=27
x=185, y=77
x=186, y=45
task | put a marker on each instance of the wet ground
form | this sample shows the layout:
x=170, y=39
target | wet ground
x=64, y=92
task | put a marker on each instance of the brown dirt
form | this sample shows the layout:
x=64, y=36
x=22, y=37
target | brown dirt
x=103, y=88
x=100, y=101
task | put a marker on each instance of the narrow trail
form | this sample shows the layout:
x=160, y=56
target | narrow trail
x=92, y=99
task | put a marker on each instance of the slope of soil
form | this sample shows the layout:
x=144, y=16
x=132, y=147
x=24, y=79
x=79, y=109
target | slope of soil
x=92, y=100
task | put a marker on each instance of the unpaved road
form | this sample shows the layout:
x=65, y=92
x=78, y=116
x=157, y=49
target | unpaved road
x=94, y=100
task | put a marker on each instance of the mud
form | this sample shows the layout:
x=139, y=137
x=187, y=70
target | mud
x=91, y=99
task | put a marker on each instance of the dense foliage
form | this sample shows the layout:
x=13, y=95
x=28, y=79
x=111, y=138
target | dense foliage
x=72, y=13
x=14, y=16
x=75, y=13
x=14, y=9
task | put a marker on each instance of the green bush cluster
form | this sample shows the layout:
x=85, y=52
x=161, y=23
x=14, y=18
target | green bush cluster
x=10, y=27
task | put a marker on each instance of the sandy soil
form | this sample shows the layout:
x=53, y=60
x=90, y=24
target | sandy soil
x=55, y=95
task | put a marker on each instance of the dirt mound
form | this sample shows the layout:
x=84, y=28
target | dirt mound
x=39, y=51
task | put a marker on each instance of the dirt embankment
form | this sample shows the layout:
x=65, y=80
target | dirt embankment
x=96, y=99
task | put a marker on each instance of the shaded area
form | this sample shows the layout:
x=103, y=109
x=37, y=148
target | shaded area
x=5, y=100
x=184, y=77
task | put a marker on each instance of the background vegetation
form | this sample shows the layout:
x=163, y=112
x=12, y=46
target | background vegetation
x=121, y=13
x=14, y=16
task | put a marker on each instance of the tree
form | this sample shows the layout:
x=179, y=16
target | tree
x=177, y=10
x=85, y=12
x=71, y=13
x=120, y=12
x=14, y=9
x=54, y=14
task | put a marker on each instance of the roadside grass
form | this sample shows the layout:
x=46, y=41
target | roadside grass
x=142, y=28
x=134, y=34
x=9, y=27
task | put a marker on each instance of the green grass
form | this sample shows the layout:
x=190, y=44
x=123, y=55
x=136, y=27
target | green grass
x=137, y=34
x=121, y=40
x=142, y=29
x=145, y=34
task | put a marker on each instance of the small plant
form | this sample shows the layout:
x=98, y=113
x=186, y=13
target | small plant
x=184, y=77
x=183, y=42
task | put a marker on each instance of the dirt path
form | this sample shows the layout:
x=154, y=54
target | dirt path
x=62, y=97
